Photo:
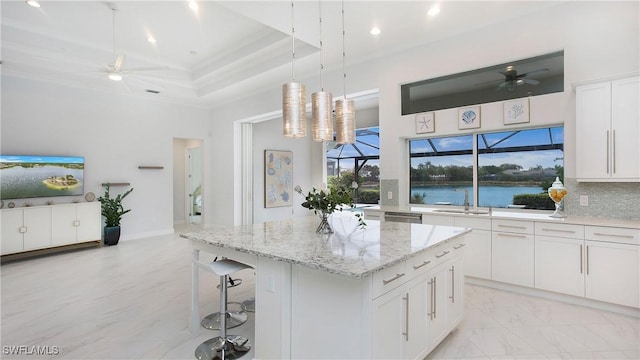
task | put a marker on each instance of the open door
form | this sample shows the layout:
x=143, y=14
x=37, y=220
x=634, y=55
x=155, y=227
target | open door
x=194, y=199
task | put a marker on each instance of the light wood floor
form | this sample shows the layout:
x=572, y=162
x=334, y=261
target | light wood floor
x=131, y=301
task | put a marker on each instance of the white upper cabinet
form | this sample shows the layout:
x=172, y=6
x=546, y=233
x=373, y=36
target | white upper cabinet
x=608, y=131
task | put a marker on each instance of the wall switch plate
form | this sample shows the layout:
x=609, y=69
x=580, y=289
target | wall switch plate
x=584, y=200
x=389, y=195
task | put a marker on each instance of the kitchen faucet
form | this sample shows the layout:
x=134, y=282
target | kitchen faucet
x=466, y=199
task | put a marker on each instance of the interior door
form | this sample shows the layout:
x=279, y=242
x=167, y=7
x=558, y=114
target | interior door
x=194, y=185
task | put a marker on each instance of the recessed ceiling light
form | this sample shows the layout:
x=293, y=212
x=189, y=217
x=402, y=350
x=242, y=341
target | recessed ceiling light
x=375, y=30
x=193, y=5
x=435, y=10
x=33, y=3
x=193, y=52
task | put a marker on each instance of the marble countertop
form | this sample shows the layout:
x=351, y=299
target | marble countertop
x=509, y=214
x=350, y=251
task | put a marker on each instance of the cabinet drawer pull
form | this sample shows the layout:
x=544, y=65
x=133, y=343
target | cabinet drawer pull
x=398, y=276
x=613, y=151
x=587, y=259
x=22, y=229
x=608, y=151
x=416, y=267
x=513, y=226
x=615, y=235
x=453, y=284
x=430, y=299
x=443, y=254
x=456, y=247
x=560, y=230
x=435, y=296
x=512, y=235
x=580, y=259
x=406, y=318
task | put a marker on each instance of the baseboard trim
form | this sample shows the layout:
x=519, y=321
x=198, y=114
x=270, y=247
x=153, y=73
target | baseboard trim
x=549, y=295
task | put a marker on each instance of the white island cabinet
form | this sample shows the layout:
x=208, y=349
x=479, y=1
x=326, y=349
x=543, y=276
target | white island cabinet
x=355, y=294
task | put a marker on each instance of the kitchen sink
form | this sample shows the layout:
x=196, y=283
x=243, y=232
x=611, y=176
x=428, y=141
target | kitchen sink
x=457, y=211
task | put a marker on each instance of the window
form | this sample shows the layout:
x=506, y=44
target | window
x=441, y=169
x=358, y=162
x=514, y=168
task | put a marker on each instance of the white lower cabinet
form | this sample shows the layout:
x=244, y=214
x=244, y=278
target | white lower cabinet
x=42, y=227
x=477, y=255
x=612, y=273
x=26, y=229
x=605, y=268
x=73, y=223
x=512, y=252
x=414, y=316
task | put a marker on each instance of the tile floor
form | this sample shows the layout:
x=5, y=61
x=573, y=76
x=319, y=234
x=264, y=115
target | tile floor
x=131, y=301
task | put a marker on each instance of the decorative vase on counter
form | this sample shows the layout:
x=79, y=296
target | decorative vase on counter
x=557, y=192
x=324, y=227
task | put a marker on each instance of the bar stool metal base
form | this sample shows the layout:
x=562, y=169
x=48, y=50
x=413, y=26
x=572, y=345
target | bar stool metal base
x=234, y=318
x=216, y=348
x=249, y=305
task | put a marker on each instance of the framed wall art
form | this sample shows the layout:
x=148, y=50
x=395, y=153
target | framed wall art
x=469, y=117
x=516, y=111
x=278, y=178
x=425, y=123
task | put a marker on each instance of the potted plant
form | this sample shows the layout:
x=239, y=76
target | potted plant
x=112, y=210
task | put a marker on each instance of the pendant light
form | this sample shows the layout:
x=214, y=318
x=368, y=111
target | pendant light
x=294, y=97
x=345, y=108
x=321, y=102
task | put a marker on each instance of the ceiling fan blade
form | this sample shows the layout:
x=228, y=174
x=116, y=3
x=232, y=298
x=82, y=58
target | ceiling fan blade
x=531, y=81
x=532, y=72
x=150, y=68
x=119, y=61
x=144, y=84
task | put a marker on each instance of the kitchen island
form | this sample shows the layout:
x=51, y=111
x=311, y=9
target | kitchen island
x=390, y=290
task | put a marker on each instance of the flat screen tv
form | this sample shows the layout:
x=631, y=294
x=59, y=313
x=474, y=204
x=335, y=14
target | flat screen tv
x=26, y=176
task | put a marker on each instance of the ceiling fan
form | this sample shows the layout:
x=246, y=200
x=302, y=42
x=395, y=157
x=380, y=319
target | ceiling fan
x=512, y=79
x=115, y=70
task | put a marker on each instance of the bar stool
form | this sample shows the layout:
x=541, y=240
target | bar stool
x=234, y=318
x=223, y=346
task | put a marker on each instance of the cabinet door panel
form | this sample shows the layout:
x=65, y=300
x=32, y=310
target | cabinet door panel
x=38, y=224
x=63, y=230
x=512, y=258
x=436, y=305
x=612, y=273
x=477, y=254
x=416, y=321
x=12, y=238
x=89, y=222
x=560, y=265
x=625, y=128
x=593, y=122
x=388, y=324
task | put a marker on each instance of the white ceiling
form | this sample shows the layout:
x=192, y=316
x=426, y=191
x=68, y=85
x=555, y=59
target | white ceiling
x=228, y=49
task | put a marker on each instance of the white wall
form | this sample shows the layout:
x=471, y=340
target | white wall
x=267, y=135
x=114, y=133
x=599, y=39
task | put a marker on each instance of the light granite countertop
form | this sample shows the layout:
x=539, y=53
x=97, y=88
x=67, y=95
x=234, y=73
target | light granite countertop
x=511, y=214
x=350, y=251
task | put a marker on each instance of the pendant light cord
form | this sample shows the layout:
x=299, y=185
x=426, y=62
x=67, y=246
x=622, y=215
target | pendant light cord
x=344, y=73
x=321, y=60
x=113, y=21
x=293, y=45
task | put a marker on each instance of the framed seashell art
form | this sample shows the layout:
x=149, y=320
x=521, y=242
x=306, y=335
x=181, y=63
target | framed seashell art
x=469, y=117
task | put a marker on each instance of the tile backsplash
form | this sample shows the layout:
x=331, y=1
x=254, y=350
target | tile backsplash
x=606, y=200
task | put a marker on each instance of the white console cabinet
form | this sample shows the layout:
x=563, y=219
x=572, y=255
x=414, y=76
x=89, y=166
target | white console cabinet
x=45, y=227
x=607, y=129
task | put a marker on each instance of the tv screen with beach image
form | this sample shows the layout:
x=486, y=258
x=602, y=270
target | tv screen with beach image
x=23, y=176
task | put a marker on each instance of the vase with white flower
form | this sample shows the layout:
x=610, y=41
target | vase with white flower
x=325, y=201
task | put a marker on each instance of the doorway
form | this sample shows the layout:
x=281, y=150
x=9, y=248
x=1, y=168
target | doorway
x=194, y=198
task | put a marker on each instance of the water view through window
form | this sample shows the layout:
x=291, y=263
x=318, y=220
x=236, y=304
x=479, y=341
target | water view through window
x=514, y=168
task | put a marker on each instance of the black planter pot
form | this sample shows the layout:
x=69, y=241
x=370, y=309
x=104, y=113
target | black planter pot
x=111, y=235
